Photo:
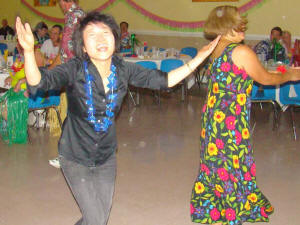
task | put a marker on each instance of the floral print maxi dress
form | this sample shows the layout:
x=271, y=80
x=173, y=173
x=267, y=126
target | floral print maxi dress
x=225, y=190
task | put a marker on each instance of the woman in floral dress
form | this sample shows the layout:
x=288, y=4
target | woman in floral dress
x=225, y=191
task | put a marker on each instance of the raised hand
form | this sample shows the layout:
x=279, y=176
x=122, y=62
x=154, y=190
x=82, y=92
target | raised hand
x=208, y=49
x=25, y=36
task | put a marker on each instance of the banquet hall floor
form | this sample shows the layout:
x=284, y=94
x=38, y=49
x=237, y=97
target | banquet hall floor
x=157, y=158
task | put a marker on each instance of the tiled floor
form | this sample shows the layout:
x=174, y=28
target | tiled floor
x=157, y=163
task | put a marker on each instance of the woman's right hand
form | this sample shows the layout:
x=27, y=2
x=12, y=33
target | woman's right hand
x=25, y=36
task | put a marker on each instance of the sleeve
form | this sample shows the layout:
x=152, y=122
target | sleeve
x=146, y=78
x=55, y=79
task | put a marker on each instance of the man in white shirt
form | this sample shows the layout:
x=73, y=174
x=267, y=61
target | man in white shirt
x=50, y=47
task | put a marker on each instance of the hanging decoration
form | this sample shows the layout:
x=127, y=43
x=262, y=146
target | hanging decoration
x=167, y=23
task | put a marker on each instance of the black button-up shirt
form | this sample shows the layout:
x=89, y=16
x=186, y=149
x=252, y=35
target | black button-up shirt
x=79, y=141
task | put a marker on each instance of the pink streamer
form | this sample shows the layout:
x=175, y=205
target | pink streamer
x=171, y=23
x=181, y=24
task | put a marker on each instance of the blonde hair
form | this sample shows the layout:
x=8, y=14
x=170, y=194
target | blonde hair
x=223, y=19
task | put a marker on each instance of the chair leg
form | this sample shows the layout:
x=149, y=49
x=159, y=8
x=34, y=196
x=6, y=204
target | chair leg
x=58, y=117
x=275, y=116
x=182, y=91
x=293, y=122
x=46, y=116
x=132, y=98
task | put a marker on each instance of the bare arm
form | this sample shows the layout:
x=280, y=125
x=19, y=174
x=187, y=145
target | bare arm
x=175, y=76
x=26, y=40
x=245, y=58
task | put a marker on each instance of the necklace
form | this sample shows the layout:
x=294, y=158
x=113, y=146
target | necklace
x=105, y=123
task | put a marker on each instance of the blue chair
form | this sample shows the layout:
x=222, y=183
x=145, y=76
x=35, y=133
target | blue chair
x=291, y=102
x=44, y=101
x=147, y=64
x=3, y=47
x=191, y=51
x=152, y=66
x=170, y=64
x=265, y=94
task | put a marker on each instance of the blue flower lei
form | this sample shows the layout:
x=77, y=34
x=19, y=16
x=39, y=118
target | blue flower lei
x=101, y=126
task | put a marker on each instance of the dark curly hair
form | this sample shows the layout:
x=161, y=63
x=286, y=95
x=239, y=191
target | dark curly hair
x=94, y=17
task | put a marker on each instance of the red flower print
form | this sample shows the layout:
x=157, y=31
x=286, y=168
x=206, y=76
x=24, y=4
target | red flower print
x=204, y=108
x=225, y=67
x=218, y=194
x=219, y=143
x=263, y=213
x=205, y=169
x=244, y=75
x=236, y=70
x=192, y=209
x=230, y=214
x=247, y=176
x=253, y=169
x=238, y=137
x=233, y=179
x=238, y=109
x=230, y=122
x=214, y=214
x=223, y=174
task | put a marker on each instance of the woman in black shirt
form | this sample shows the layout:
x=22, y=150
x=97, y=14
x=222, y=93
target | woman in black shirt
x=96, y=81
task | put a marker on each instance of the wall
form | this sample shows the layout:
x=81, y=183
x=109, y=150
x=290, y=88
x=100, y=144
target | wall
x=261, y=19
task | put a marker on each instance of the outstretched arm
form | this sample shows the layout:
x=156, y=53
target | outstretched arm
x=245, y=58
x=177, y=75
x=26, y=40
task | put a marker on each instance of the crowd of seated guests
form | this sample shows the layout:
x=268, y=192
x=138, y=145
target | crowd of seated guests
x=46, y=49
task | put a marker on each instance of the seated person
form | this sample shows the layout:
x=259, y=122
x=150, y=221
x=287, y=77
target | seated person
x=267, y=48
x=40, y=34
x=6, y=30
x=287, y=43
x=50, y=48
x=125, y=36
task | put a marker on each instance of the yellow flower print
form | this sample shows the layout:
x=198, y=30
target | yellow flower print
x=203, y=133
x=245, y=133
x=270, y=209
x=219, y=188
x=216, y=88
x=252, y=197
x=223, y=212
x=241, y=99
x=247, y=205
x=199, y=188
x=249, y=89
x=235, y=160
x=212, y=149
x=211, y=101
x=219, y=116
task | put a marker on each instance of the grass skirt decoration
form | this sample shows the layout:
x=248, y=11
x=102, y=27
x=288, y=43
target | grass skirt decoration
x=55, y=129
x=14, y=129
